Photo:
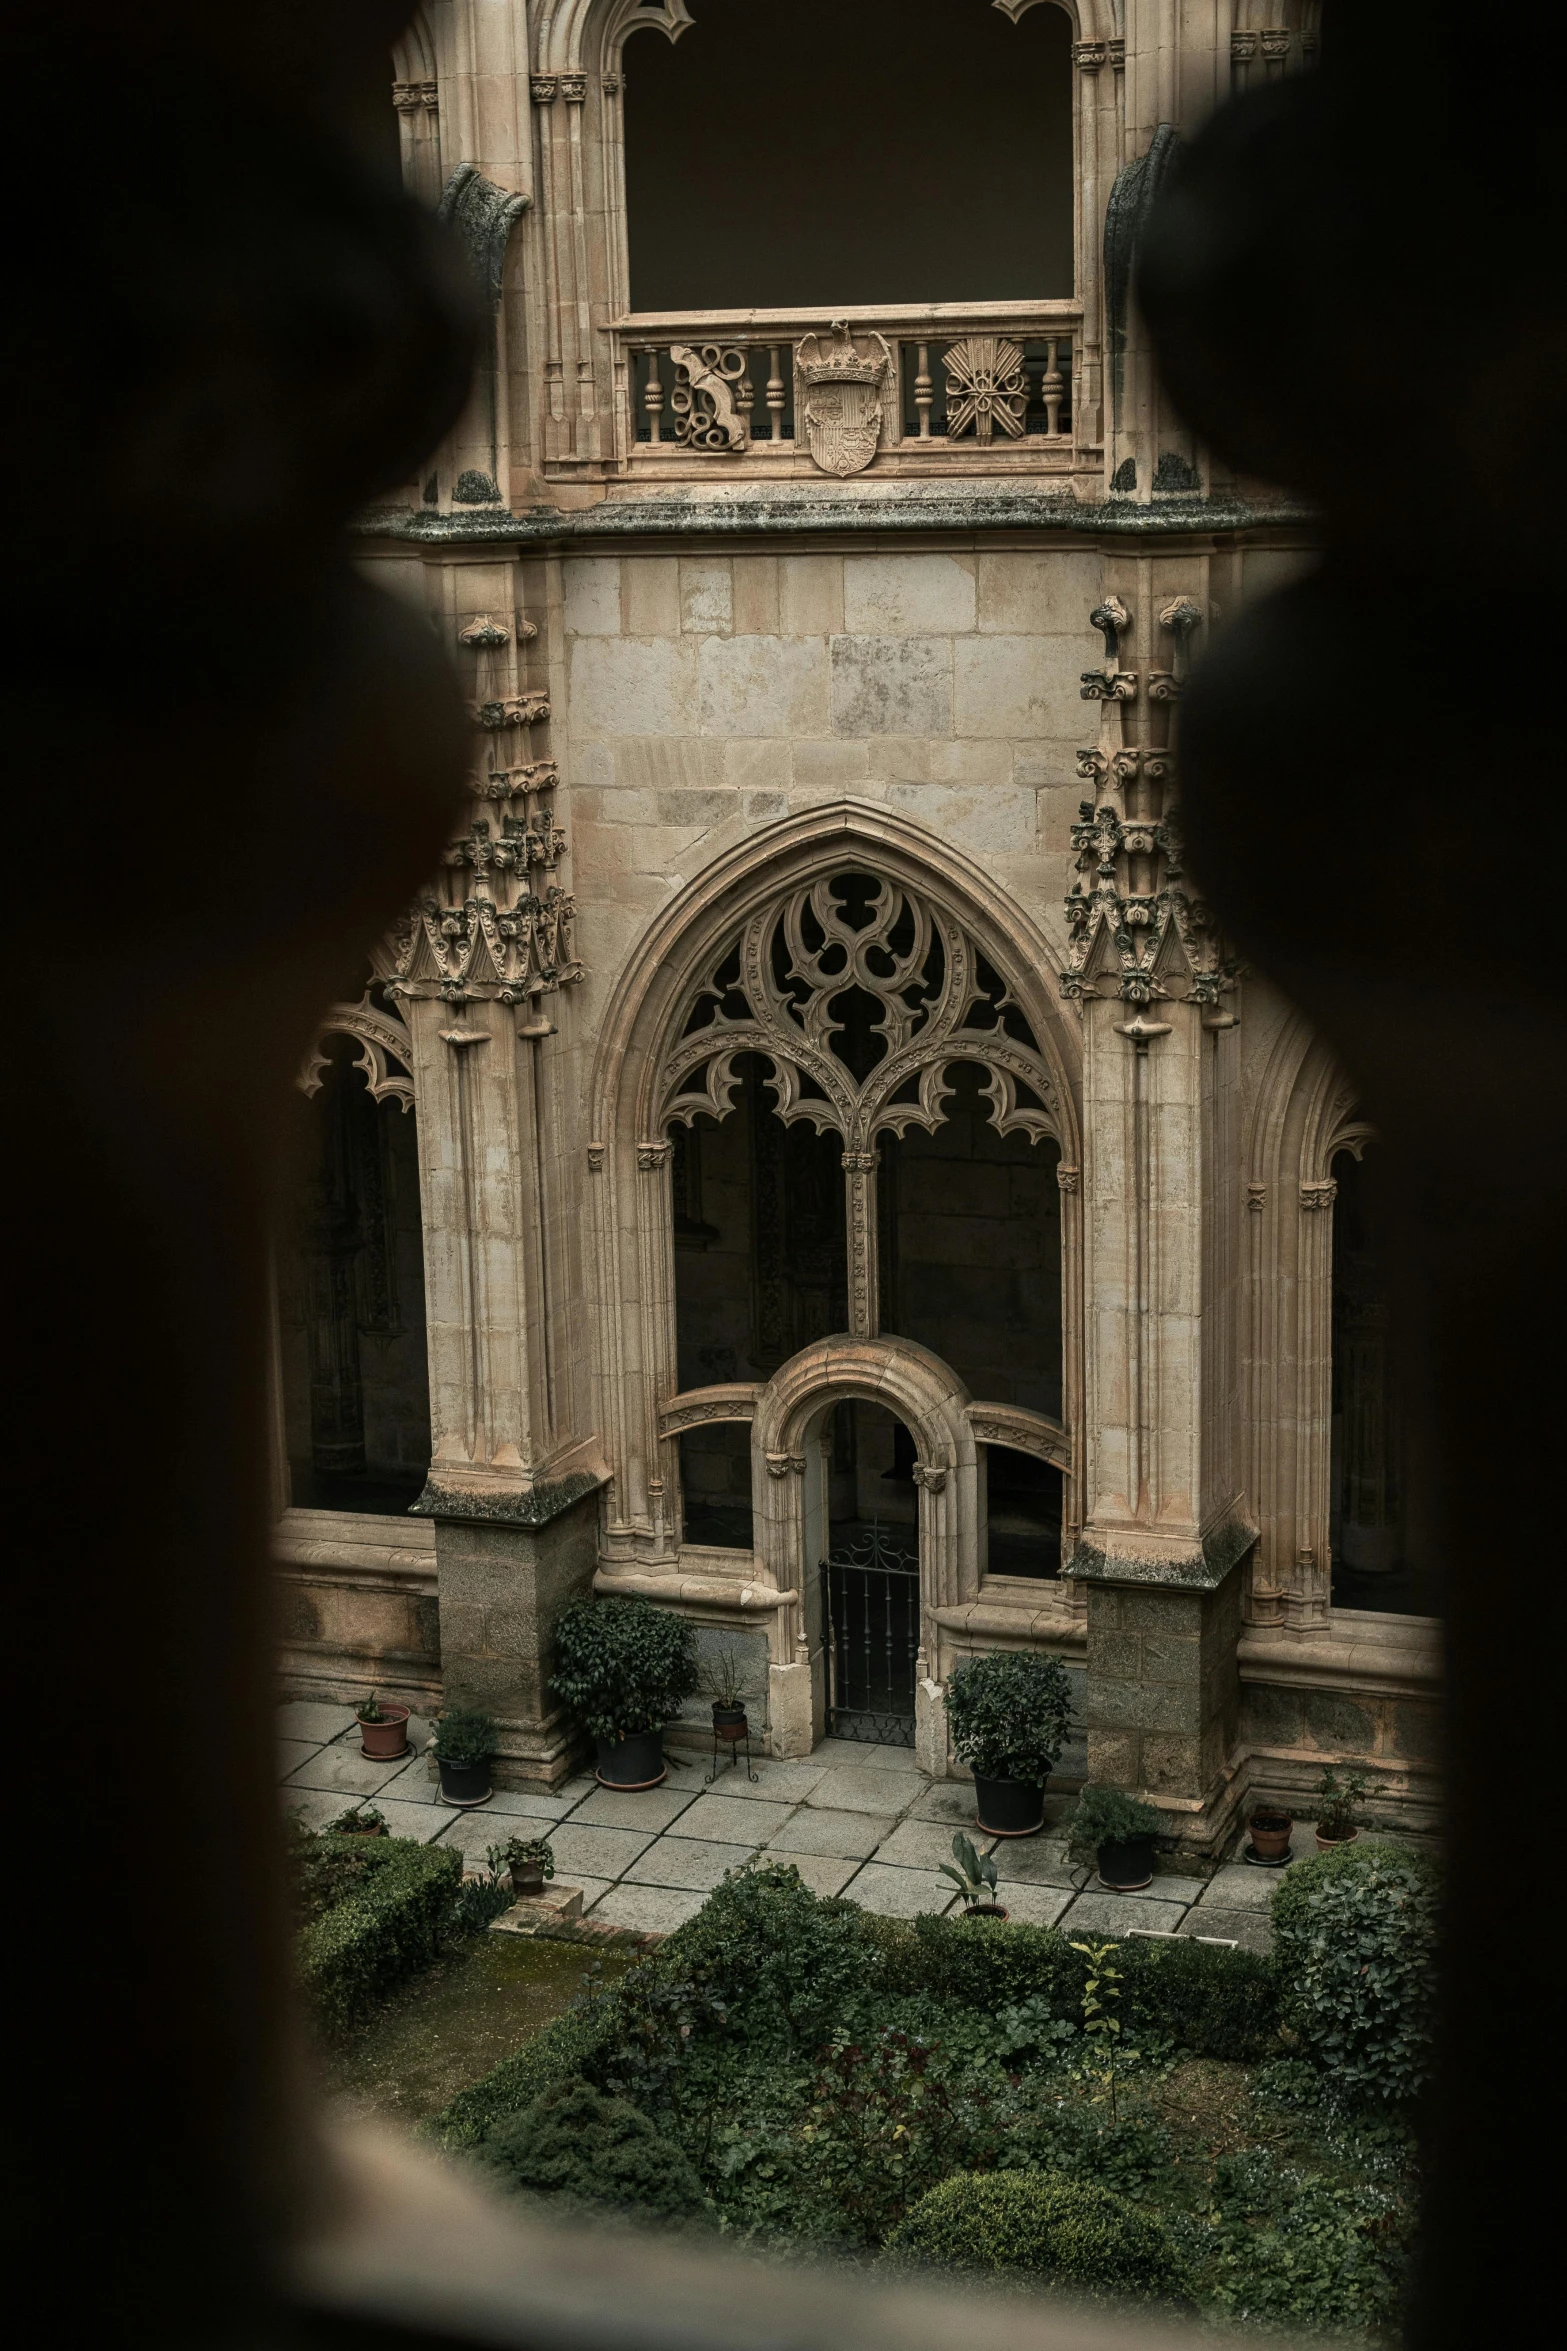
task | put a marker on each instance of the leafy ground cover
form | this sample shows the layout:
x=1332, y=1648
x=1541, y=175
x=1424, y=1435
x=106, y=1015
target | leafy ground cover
x=1137, y=2118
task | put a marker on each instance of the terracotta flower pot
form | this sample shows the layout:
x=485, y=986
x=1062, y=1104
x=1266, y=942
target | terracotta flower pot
x=1332, y=1844
x=386, y=1740
x=527, y=1877
x=1270, y=1834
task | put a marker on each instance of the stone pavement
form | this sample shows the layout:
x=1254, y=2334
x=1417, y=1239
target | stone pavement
x=860, y=1821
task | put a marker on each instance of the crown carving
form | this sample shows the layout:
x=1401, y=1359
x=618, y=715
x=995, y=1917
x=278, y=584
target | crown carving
x=840, y=363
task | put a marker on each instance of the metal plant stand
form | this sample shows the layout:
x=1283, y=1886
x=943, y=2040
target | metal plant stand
x=733, y=1746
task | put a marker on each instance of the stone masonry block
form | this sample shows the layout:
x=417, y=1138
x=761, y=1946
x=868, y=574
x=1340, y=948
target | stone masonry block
x=1016, y=686
x=704, y=808
x=1019, y=594
x=763, y=686
x=592, y=595
x=756, y=596
x=1118, y=1655
x=706, y=596
x=1416, y=1726
x=1174, y=1764
x=1336, y=1722
x=650, y=596
x=1177, y=1659
x=907, y=595
x=1273, y=1716
x=636, y=686
x=1138, y=1705
x=810, y=595
x=1168, y=1611
x=892, y=686
x=1115, y=1757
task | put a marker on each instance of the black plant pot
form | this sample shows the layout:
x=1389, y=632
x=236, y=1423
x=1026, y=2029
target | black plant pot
x=464, y=1784
x=1126, y=1867
x=1009, y=1808
x=636, y=1762
x=728, y=1721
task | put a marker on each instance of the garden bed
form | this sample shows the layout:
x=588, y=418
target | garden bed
x=1137, y=2118
x=373, y=1911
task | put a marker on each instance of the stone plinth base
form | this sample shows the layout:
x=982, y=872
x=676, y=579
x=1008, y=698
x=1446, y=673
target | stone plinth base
x=534, y=1913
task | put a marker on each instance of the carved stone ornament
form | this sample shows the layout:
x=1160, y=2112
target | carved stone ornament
x=652, y=1156
x=415, y=97
x=1319, y=1195
x=595, y=1159
x=862, y=994
x=386, y=1054
x=484, y=634
x=780, y=1464
x=844, y=385
x=932, y=1479
x=703, y=403
x=986, y=387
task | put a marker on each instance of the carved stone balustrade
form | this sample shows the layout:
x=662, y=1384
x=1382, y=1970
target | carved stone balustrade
x=785, y=392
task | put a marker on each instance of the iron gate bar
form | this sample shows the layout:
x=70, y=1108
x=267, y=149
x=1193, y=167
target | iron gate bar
x=877, y=1580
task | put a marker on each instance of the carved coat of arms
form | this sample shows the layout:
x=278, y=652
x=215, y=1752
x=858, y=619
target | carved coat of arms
x=844, y=384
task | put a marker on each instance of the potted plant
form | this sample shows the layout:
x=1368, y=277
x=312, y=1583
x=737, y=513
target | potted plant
x=974, y=1875
x=1009, y=1715
x=360, y=1820
x=1119, y=1830
x=527, y=1860
x=625, y=1667
x=1338, y=1801
x=721, y=1682
x=1270, y=1830
x=464, y=1741
x=383, y=1730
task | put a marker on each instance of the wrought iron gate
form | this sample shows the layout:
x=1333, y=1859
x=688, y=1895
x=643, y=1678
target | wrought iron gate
x=871, y=1613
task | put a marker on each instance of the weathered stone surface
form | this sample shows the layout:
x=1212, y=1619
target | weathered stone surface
x=1251, y=1930
x=650, y=1910
x=695, y=1864
x=900, y=1893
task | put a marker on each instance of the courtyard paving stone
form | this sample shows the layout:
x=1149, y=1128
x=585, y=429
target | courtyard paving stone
x=1030, y=1861
x=948, y=1800
x=344, y=1768
x=1251, y=1929
x=314, y=1719
x=651, y=1910
x=291, y=1753
x=318, y=1809
x=1242, y=1886
x=851, y=1755
x=652, y=1809
x=691, y=1863
x=714, y=1816
x=822, y=1875
x=924, y=1844
x=1102, y=1914
x=1033, y=1906
x=603, y=1853
x=472, y=1832
x=848, y=1788
x=899, y=1893
x=837, y=1836
x=414, y=1784
x=776, y=1783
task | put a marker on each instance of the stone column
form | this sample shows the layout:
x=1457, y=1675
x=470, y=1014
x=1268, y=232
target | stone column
x=1165, y=1524
x=480, y=966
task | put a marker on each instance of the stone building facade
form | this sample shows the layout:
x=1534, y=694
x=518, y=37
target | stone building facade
x=810, y=1156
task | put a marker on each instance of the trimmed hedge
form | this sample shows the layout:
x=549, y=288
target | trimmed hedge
x=391, y=1921
x=566, y=2046
x=1047, y=2224
x=575, y=2142
x=1356, y=1936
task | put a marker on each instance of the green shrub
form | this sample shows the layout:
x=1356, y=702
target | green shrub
x=574, y=2141
x=465, y=1734
x=389, y=1917
x=1327, y=2253
x=1355, y=1941
x=567, y=2045
x=1108, y=1816
x=1010, y=1715
x=779, y=1956
x=624, y=1665
x=1046, y=2223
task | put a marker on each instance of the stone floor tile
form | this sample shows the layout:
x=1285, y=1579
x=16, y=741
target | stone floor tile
x=693, y=1863
x=865, y=1757
x=291, y=1753
x=315, y=1719
x=899, y=1893
x=822, y=1875
x=1242, y=1886
x=924, y=1844
x=603, y=1853
x=844, y=1790
x=1251, y=1929
x=1183, y=1891
x=715, y=1817
x=652, y=1910
x=775, y=1783
x=413, y=1784
x=1035, y=1861
x=471, y=1832
x=1101, y=1914
x=541, y=1803
x=318, y=1808
x=345, y=1768
x=837, y=1836
x=1033, y=1906
x=948, y=1800
x=652, y=1809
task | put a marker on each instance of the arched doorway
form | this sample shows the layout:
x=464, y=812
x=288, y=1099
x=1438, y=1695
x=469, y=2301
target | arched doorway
x=870, y=1575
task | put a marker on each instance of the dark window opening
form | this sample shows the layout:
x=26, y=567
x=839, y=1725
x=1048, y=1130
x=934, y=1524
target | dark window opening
x=350, y=1269
x=1380, y=1561
x=929, y=160
x=970, y=1224
x=1023, y=1509
x=715, y=1479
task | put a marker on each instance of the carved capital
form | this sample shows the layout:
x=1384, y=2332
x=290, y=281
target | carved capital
x=595, y=1159
x=612, y=85
x=1109, y=685
x=931, y=1477
x=652, y=1156
x=859, y=1162
x=1117, y=49
x=1276, y=42
x=415, y=97
x=543, y=88
x=574, y=88
x=484, y=634
x=1113, y=620
x=1243, y=48
x=513, y=710
x=1256, y=1198
x=1068, y=1178
x=1317, y=1196
x=779, y=1465
x=1090, y=56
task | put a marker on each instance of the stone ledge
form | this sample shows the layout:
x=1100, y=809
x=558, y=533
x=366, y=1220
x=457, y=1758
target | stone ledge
x=1374, y=1657
x=535, y=1506
x=557, y=1906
